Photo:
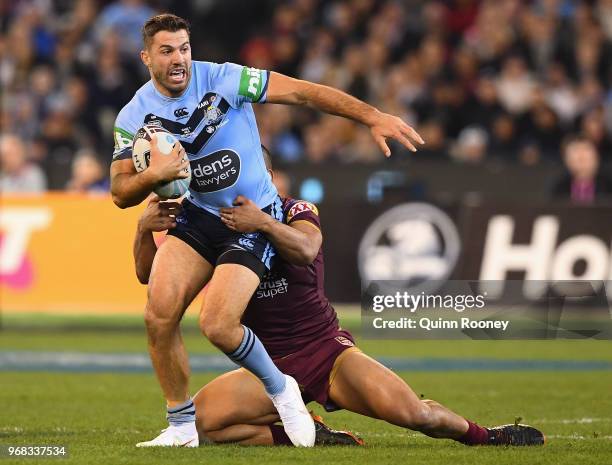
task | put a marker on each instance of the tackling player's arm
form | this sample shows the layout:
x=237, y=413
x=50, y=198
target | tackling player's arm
x=158, y=216
x=298, y=243
x=287, y=90
x=130, y=188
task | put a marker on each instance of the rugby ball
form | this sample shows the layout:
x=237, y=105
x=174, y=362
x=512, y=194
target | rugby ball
x=141, y=152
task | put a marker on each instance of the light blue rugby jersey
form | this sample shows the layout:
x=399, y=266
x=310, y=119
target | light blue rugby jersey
x=215, y=123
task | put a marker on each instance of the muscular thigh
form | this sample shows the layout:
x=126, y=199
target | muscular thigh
x=364, y=386
x=229, y=292
x=177, y=275
x=234, y=398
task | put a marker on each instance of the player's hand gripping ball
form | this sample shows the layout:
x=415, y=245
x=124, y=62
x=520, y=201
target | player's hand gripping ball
x=166, y=142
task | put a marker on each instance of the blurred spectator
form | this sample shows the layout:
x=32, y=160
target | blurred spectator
x=432, y=131
x=515, y=85
x=61, y=139
x=525, y=74
x=471, y=145
x=540, y=127
x=88, y=174
x=125, y=18
x=583, y=183
x=593, y=128
x=484, y=102
x=17, y=174
x=504, y=138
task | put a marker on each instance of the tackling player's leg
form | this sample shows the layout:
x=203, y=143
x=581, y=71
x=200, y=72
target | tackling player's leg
x=234, y=408
x=178, y=274
x=227, y=296
x=362, y=385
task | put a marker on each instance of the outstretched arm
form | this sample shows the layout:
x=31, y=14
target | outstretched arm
x=158, y=216
x=298, y=243
x=287, y=90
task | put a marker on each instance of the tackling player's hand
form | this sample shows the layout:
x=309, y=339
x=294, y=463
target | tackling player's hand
x=388, y=126
x=159, y=216
x=245, y=216
x=166, y=168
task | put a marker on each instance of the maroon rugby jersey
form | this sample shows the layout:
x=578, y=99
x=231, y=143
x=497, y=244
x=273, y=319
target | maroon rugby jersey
x=289, y=309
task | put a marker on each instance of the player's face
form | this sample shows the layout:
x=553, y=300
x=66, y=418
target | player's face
x=168, y=58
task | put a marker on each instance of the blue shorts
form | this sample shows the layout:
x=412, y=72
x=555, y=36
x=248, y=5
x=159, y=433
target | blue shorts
x=207, y=235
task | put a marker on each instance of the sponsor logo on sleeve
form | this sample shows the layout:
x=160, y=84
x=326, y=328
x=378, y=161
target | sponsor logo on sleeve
x=344, y=341
x=251, y=83
x=123, y=139
x=301, y=207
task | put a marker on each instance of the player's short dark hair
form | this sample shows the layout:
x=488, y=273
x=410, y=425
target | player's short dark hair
x=266, y=156
x=162, y=22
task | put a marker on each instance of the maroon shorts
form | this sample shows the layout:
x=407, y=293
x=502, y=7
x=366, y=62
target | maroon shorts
x=312, y=366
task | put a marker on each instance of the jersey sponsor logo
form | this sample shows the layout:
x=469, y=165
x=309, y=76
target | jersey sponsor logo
x=251, y=83
x=181, y=113
x=206, y=101
x=215, y=172
x=301, y=207
x=271, y=286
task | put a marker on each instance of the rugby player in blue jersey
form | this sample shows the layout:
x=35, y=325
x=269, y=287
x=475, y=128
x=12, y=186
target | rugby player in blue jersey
x=298, y=326
x=207, y=106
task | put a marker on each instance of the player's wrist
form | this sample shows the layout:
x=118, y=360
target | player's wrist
x=373, y=117
x=152, y=177
x=142, y=228
x=267, y=224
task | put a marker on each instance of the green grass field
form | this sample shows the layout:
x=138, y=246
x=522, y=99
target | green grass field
x=100, y=416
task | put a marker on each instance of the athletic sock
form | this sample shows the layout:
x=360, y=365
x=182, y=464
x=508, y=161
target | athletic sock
x=279, y=437
x=181, y=414
x=252, y=355
x=475, y=435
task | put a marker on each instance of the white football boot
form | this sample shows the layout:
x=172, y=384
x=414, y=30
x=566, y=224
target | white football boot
x=175, y=436
x=297, y=422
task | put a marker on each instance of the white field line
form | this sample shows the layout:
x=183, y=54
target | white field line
x=578, y=437
x=571, y=421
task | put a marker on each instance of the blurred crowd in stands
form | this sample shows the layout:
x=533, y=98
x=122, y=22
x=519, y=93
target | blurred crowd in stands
x=503, y=80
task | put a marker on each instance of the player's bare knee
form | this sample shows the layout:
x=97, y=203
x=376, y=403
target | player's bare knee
x=214, y=328
x=160, y=321
x=204, y=426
